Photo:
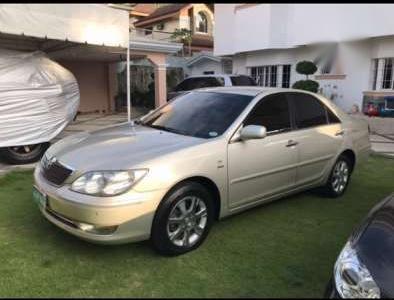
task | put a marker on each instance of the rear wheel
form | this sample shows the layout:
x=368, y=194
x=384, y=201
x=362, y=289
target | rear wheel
x=23, y=154
x=183, y=219
x=339, y=177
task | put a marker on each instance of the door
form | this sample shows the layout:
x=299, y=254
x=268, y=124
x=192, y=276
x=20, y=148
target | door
x=260, y=168
x=319, y=137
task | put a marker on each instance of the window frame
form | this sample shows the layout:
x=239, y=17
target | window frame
x=326, y=109
x=204, y=17
x=273, y=132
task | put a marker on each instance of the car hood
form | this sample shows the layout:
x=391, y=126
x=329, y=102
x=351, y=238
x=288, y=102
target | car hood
x=375, y=246
x=117, y=147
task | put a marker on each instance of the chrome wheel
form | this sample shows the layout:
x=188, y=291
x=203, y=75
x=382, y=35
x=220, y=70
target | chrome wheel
x=187, y=221
x=340, y=176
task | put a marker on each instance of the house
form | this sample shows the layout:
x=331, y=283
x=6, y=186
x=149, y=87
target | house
x=351, y=44
x=90, y=40
x=204, y=63
x=166, y=18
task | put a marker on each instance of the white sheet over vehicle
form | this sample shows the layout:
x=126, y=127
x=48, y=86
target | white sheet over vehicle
x=38, y=98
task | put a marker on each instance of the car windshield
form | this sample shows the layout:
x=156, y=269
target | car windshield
x=199, y=114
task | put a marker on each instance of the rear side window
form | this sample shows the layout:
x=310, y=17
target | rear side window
x=332, y=118
x=199, y=82
x=242, y=80
x=272, y=112
x=309, y=112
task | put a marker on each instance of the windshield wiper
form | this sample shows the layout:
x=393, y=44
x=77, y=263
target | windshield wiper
x=169, y=129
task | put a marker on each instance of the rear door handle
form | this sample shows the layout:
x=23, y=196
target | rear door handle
x=291, y=143
x=340, y=133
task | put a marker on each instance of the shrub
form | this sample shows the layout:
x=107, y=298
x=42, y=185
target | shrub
x=306, y=85
x=306, y=68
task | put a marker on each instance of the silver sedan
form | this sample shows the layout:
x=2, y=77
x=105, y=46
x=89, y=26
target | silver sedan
x=203, y=156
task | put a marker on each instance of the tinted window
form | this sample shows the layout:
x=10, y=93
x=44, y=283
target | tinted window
x=199, y=82
x=309, y=111
x=199, y=114
x=332, y=118
x=271, y=112
x=242, y=80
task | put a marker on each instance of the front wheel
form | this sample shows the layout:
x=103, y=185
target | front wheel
x=23, y=154
x=339, y=177
x=183, y=219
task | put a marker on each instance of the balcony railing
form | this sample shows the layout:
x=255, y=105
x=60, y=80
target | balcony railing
x=164, y=36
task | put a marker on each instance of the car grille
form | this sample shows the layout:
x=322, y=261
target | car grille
x=54, y=172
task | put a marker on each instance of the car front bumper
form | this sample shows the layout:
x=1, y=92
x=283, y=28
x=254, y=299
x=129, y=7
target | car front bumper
x=131, y=214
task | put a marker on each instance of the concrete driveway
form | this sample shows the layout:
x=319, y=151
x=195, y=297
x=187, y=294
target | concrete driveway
x=82, y=123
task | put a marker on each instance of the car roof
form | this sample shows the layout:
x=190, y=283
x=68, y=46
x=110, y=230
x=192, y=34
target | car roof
x=245, y=90
x=216, y=75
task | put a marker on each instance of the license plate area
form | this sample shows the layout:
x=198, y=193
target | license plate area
x=39, y=198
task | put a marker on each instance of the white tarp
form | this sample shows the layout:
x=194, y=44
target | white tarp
x=38, y=98
x=96, y=24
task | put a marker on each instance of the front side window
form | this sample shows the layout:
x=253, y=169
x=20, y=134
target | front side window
x=199, y=114
x=309, y=112
x=202, y=22
x=271, y=112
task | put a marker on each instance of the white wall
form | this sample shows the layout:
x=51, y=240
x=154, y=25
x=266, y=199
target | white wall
x=356, y=62
x=271, y=26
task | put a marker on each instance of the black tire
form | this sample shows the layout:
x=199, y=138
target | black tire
x=329, y=188
x=20, y=155
x=160, y=230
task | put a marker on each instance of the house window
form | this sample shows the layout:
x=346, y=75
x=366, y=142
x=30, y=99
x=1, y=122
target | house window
x=208, y=72
x=382, y=74
x=387, y=74
x=268, y=75
x=202, y=22
x=375, y=64
x=148, y=30
x=286, y=76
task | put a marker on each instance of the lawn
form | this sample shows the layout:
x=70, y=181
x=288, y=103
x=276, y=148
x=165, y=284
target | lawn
x=283, y=249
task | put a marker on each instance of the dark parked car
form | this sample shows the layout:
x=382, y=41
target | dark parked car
x=365, y=266
x=205, y=81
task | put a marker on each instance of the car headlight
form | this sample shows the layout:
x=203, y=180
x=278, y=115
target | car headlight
x=107, y=183
x=352, y=278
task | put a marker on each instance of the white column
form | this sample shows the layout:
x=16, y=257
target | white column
x=128, y=82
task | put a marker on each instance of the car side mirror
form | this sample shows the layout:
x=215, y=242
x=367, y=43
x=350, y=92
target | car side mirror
x=253, y=132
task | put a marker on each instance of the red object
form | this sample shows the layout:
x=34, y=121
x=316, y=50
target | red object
x=372, y=110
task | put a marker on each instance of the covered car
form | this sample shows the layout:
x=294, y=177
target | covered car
x=38, y=99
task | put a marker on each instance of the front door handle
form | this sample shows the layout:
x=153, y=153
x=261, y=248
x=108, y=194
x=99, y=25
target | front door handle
x=291, y=143
x=340, y=133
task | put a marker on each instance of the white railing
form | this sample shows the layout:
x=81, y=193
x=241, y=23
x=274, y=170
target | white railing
x=164, y=36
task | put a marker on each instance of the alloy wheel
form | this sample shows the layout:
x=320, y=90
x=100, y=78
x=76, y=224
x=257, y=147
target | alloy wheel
x=187, y=221
x=340, y=176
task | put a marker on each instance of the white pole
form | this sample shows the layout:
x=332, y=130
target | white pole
x=128, y=82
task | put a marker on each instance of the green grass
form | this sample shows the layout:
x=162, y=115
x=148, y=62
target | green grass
x=283, y=249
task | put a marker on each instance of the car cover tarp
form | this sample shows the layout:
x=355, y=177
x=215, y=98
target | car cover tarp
x=38, y=98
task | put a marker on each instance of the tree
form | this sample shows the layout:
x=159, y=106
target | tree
x=184, y=35
x=306, y=68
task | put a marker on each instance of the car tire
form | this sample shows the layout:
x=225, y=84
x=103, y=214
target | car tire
x=23, y=154
x=183, y=219
x=339, y=177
